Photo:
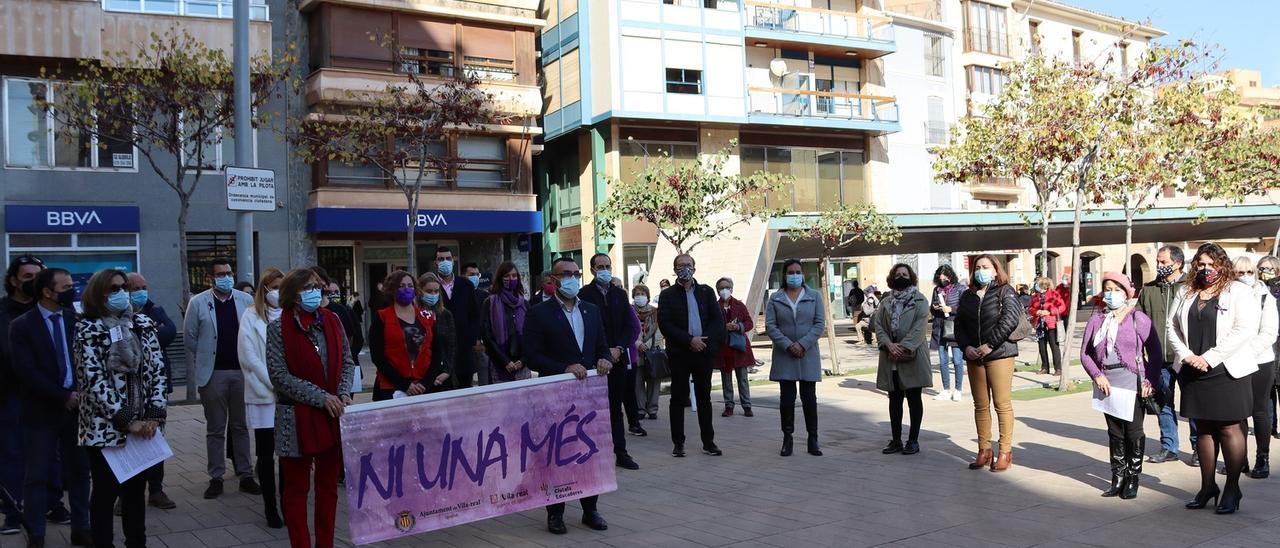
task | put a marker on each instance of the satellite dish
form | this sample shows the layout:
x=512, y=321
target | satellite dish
x=778, y=67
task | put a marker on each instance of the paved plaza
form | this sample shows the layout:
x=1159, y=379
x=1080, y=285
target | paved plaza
x=852, y=496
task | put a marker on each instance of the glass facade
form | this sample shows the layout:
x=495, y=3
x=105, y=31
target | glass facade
x=823, y=178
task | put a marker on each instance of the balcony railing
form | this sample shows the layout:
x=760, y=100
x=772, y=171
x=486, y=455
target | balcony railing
x=258, y=10
x=762, y=14
x=993, y=42
x=803, y=103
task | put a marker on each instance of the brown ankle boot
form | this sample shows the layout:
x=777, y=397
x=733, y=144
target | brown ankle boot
x=984, y=458
x=1003, y=462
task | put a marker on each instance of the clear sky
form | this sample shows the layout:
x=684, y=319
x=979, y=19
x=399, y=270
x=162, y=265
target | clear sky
x=1245, y=30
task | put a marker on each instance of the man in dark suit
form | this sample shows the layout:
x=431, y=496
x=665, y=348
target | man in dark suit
x=41, y=342
x=166, y=331
x=18, y=283
x=690, y=319
x=621, y=332
x=566, y=335
x=459, y=298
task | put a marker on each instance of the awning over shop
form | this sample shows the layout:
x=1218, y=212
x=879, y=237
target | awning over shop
x=944, y=232
x=341, y=219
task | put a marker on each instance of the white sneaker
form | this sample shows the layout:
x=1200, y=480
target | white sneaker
x=957, y=396
x=943, y=395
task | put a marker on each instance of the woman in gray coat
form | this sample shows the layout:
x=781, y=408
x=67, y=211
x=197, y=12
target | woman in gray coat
x=904, y=356
x=794, y=320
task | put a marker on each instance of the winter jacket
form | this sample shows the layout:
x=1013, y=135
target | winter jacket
x=1136, y=344
x=1155, y=301
x=989, y=319
x=1049, y=301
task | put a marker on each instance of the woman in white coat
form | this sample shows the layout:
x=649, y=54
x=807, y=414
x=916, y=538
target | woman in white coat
x=1264, y=379
x=1212, y=329
x=259, y=397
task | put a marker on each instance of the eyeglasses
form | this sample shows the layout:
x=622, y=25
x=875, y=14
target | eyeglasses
x=1267, y=270
x=571, y=274
x=118, y=287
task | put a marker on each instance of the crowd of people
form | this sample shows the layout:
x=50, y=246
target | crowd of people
x=279, y=359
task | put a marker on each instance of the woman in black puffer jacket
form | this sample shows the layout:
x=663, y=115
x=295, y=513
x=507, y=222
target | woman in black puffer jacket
x=989, y=313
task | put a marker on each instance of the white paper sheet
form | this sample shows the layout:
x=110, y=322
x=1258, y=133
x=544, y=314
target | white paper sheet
x=137, y=454
x=1124, y=394
x=399, y=394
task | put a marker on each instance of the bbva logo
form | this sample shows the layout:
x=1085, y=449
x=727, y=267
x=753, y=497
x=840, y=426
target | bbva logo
x=72, y=218
x=428, y=219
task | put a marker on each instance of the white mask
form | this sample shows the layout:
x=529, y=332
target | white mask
x=641, y=301
x=273, y=298
x=725, y=293
x=1248, y=280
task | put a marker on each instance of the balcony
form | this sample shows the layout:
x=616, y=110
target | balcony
x=989, y=42
x=996, y=189
x=341, y=85
x=868, y=36
x=258, y=10
x=832, y=109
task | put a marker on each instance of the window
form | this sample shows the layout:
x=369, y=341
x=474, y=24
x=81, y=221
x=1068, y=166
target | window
x=486, y=164
x=934, y=56
x=82, y=254
x=1124, y=58
x=1076, y=54
x=1034, y=29
x=986, y=29
x=218, y=152
x=33, y=139
x=203, y=247
x=201, y=8
x=430, y=62
x=409, y=174
x=684, y=81
x=987, y=80
x=824, y=178
x=485, y=68
x=936, y=126
x=636, y=156
x=339, y=172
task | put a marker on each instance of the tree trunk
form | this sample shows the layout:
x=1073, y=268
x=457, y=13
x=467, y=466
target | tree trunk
x=1044, y=246
x=1128, y=243
x=185, y=274
x=1275, y=246
x=409, y=233
x=826, y=305
x=1073, y=288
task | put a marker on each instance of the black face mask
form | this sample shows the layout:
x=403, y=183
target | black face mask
x=900, y=283
x=28, y=288
x=67, y=299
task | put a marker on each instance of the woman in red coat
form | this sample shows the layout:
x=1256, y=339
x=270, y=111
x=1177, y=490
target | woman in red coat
x=1046, y=305
x=735, y=360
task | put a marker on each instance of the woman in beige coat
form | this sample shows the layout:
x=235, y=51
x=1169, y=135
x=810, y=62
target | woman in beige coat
x=904, y=369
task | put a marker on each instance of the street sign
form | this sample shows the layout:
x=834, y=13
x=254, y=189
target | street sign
x=251, y=189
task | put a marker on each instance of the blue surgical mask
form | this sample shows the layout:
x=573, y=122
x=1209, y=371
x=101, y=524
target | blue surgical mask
x=118, y=301
x=139, y=298
x=795, y=280
x=430, y=299
x=224, y=283
x=445, y=267
x=1114, y=299
x=475, y=280
x=311, y=300
x=604, y=276
x=984, y=277
x=569, y=286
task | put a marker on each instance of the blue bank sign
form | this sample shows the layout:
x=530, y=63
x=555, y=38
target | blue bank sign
x=336, y=219
x=67, y=218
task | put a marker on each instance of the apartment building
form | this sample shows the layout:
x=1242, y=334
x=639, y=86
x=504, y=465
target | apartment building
x=485, y=210
x=84, y=207
x=800, y=85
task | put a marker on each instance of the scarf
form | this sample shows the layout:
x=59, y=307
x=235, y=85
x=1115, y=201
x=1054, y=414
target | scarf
x=648, y=315
x=900, y=302
x=124, y=355
x=506, y=301
x=317, y=431
x=1110, y=328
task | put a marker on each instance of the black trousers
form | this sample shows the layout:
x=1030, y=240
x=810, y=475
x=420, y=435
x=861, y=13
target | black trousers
x=683, y=367
x=264, y=440
x=620, y=397
x=808, y=403
x=629, y=397
x=914, y=402
x=1263, y=384
x=133, y=504
x=155, y=478
x=1120, y=430
x=588, y=506
x=1049, y=340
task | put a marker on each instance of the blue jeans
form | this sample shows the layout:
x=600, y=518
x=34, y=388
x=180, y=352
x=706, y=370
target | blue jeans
x=955, y=356
x=1169, y=415
x=52, y=452
x=11, y=454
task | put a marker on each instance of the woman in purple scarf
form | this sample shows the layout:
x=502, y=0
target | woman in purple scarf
x=503, y=325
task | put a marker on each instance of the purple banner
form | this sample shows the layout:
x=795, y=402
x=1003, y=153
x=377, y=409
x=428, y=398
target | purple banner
x=434, y=461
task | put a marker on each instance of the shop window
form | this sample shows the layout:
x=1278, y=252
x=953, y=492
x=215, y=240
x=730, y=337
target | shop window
x=80, y=254
x=684, y=81
x=34, y=139
x=339, y=263
x=203, y=247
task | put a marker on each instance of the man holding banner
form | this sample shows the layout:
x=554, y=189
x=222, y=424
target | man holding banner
x=560, y=336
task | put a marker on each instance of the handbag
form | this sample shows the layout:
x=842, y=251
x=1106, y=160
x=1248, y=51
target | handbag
x=1158, y=398
x=1023, y=329
x=949, y=329
x=738, y=341
x=655, y=362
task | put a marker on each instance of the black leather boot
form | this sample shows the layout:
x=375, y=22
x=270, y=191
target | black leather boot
x=1261, y=466
x=788, y=427
x=1118, y=468
x=811, y=425
x=1134, y=452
